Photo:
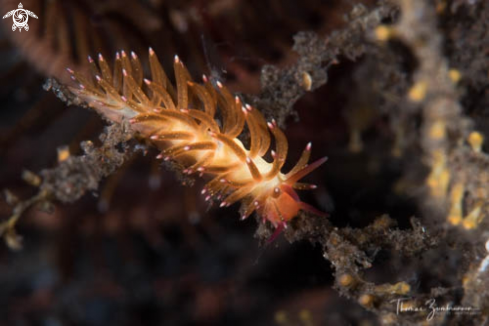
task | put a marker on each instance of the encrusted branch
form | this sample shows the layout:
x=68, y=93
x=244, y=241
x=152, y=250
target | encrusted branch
x=73, y=176
x=282, y=88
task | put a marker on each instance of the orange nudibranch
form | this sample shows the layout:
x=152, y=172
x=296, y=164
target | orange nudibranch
x=180, y=121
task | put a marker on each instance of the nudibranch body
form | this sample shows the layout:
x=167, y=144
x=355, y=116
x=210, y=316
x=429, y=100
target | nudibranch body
x=181, y=122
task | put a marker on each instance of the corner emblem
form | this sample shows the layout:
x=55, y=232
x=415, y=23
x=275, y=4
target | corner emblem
x=20, y=16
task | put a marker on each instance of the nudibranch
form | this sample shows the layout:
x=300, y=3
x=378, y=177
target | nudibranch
x=181, y=122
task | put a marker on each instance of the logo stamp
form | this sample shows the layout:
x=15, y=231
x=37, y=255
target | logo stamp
x=20, y=16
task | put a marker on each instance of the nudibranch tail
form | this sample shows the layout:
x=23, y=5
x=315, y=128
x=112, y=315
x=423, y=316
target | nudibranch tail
x=180, y=121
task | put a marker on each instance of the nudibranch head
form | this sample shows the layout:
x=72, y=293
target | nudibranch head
x=283, y=203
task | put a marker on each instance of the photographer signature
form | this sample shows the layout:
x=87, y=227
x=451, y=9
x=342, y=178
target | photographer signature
x=431, y=308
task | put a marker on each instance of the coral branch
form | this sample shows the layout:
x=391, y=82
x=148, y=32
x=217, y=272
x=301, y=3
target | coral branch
x=74, y=176
x=282, y=88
